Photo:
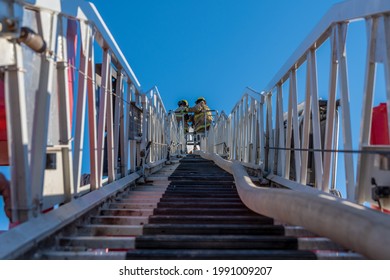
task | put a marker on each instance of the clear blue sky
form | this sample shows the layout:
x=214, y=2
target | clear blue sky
x=210, y=48
x=215, y=48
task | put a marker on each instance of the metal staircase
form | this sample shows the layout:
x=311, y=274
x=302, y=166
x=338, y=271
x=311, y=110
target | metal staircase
x=196, y=214
x=200, y=216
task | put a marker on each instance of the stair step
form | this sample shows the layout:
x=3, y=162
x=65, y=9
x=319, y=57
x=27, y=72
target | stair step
x=189, y=183
x=318, y=243
x=193, y=219
x=124, y=220
x=199, y=195
x=137, y=200
x=110, y=230
x=200, y=187
x=125, y=204
x=95, y=242
x=237, y=205
x=216, y=242
x=203, y=211
x=200, y=199
x=200, y=190
x=159, y=254
x=84, y=255
x=127, y=212
x=144, y=194
x=212, y=229
x=298, y=231
x=150, y=188
x=200, y=176
x=336, y=255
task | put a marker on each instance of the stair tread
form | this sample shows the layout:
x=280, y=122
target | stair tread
x=225, y=254
x=236, y=205
x=211, y=229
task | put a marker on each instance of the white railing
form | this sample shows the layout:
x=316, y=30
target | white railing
x=219, y=135
x=175, y=135
x=292, y=129
x=76, y=115
x=156, y=120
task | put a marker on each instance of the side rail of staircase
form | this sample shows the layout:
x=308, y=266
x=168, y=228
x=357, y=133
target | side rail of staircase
x=162, y=131
x=175, y=135
x=307, y=127
x=219, y=136
x=77, y=118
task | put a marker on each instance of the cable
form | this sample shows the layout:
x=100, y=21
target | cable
x=331, y=150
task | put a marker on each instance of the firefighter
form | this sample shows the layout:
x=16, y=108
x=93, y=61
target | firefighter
x=202, y=115
x=5, y=192
x=181, y=115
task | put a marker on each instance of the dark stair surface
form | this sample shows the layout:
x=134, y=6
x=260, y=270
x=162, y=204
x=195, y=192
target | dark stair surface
x=200, y=216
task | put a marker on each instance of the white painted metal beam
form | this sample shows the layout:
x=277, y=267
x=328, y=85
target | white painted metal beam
x=342, y=12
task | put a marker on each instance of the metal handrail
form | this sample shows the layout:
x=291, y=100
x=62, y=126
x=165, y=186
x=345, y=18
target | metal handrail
x=61, y=24
x=86, y=11
x=342, y=12
x=282, y=138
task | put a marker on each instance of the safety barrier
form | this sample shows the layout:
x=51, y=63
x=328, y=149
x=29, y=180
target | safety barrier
x=294, y=136
x=77, y=117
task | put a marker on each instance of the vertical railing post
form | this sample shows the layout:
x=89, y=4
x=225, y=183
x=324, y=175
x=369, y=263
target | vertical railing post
x=346, y=112
x=288, y=134
x=330, y=115
x=369, y=81
x=110, y=131
x=81, y=104
x=240, y=127
x=270, y=135
x=261, y=132
x=106, y=80
x=92, y=120
x=15, y=100
x=280, y=138
x=124, y=123
x=246, y=129
x=117, y=114
x=295, y=124
x=233, y=131
x=48, y=24
x=253, y=130
x=65, y=134
x=306, y=123
x=316, y=119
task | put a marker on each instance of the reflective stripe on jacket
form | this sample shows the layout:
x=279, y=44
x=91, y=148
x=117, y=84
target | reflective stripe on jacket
x=202, y=116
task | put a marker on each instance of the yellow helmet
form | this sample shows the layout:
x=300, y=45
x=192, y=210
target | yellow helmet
x=183, y=103
x=200, y=99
